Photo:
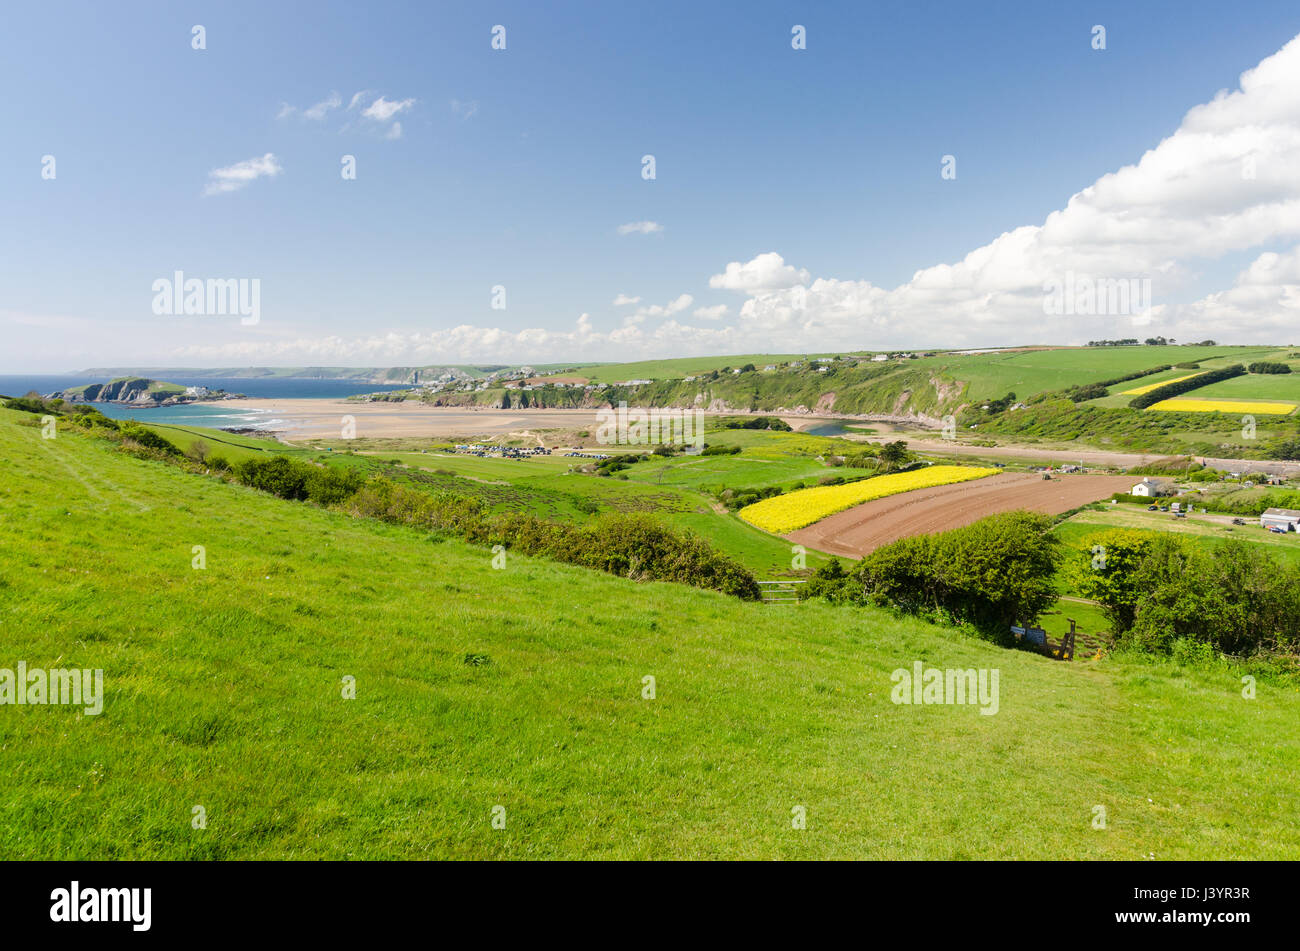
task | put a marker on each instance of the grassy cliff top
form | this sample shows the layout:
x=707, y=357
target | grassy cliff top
x=522, y=687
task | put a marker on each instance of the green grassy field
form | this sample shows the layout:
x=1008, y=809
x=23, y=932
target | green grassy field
x=234, y=448
x=1253, y=386
x=1197, y=528
x=683, y=366
x=678, y=489
x=993, y=375
x=523, y=688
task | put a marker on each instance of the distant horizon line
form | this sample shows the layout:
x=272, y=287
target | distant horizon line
x=481, y=364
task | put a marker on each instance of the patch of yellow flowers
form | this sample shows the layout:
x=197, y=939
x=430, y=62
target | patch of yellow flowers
x=1223, y=406
x=794, y=510
x=1155, y=386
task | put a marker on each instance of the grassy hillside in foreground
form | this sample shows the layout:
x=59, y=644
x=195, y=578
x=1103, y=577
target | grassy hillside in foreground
x=223, y=690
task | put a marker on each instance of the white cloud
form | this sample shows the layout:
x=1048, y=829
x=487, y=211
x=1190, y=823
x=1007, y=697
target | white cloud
x=465, y=344
x=234, y=177
x=622, y=300
x=674, y=306
x=383, y=109
x=319, y=110
x=357, y=98
x=716, y=312
x=766, y=272
x=641, y=227
x=1265, y=297
x=1224, y=182
x=465, y=110
x=395, y=132
x=316, y=112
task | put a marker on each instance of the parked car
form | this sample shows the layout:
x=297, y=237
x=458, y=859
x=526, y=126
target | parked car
x=1238, y=521
x=1278, y=529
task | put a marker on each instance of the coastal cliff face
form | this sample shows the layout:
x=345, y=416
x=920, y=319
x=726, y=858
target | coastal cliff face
x=136, y=391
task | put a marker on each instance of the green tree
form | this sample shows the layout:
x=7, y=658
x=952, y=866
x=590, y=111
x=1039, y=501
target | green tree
x=894, y=454
x=1104, y=569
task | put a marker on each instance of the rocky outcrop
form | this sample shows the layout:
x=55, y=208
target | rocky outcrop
x=138, y=391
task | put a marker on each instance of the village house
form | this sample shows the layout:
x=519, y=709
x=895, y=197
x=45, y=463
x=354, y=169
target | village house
x=1149, y=488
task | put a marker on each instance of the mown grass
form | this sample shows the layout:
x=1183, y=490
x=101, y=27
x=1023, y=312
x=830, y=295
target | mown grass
x=223, y=689
x=1196, y=528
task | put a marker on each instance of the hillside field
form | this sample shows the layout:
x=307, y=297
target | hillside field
x=523, y=688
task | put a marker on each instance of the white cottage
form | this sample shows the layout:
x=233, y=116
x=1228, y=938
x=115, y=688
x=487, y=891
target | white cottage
x=1147, y=488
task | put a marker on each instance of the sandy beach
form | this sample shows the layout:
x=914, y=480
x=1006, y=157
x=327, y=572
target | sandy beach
x=295, y=419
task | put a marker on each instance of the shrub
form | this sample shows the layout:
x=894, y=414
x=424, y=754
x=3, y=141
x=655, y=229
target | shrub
x=147, y=438
x=991, y=573
x=1160, y=592
x=830, y=581
x=1265, y=366
x=634, y=546
x=1104, y=572
x=33, y=404
x=720, y=451
x=758, y=422
x=301, y=481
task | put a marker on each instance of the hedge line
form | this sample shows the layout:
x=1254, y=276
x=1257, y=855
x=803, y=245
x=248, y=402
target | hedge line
x=1170, y=390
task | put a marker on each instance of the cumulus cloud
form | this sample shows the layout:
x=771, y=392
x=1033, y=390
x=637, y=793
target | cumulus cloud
x=716, y=312
x=641, y=227
x=240, y=175
x=1225, y=181
x=674, y=306
x=467, y=344
x=766, y=272
x=1265, y=296
x=622, y=300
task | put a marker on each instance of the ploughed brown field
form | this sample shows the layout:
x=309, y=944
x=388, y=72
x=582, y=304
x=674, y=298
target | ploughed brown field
x=864, y=528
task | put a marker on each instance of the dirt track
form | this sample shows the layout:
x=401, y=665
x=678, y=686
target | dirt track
x=864, y=528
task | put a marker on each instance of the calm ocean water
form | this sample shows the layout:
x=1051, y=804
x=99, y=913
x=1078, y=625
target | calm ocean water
x=215, y=415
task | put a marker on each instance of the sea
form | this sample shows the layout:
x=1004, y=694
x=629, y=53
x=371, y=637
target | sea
x=214, y=415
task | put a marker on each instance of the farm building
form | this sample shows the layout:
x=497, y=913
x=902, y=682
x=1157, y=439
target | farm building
x=1288, y=519
x=1149, y=488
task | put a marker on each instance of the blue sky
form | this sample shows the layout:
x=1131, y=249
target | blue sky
x=517, y=167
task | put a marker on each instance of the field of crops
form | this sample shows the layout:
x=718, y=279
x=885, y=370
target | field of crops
x=786, y=513
x=1155, y=386
x=1179, y=405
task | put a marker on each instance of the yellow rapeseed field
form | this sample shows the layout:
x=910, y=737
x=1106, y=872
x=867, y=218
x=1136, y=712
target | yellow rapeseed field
x=1223, y=406
x=785, y=513
x=1155, y=386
